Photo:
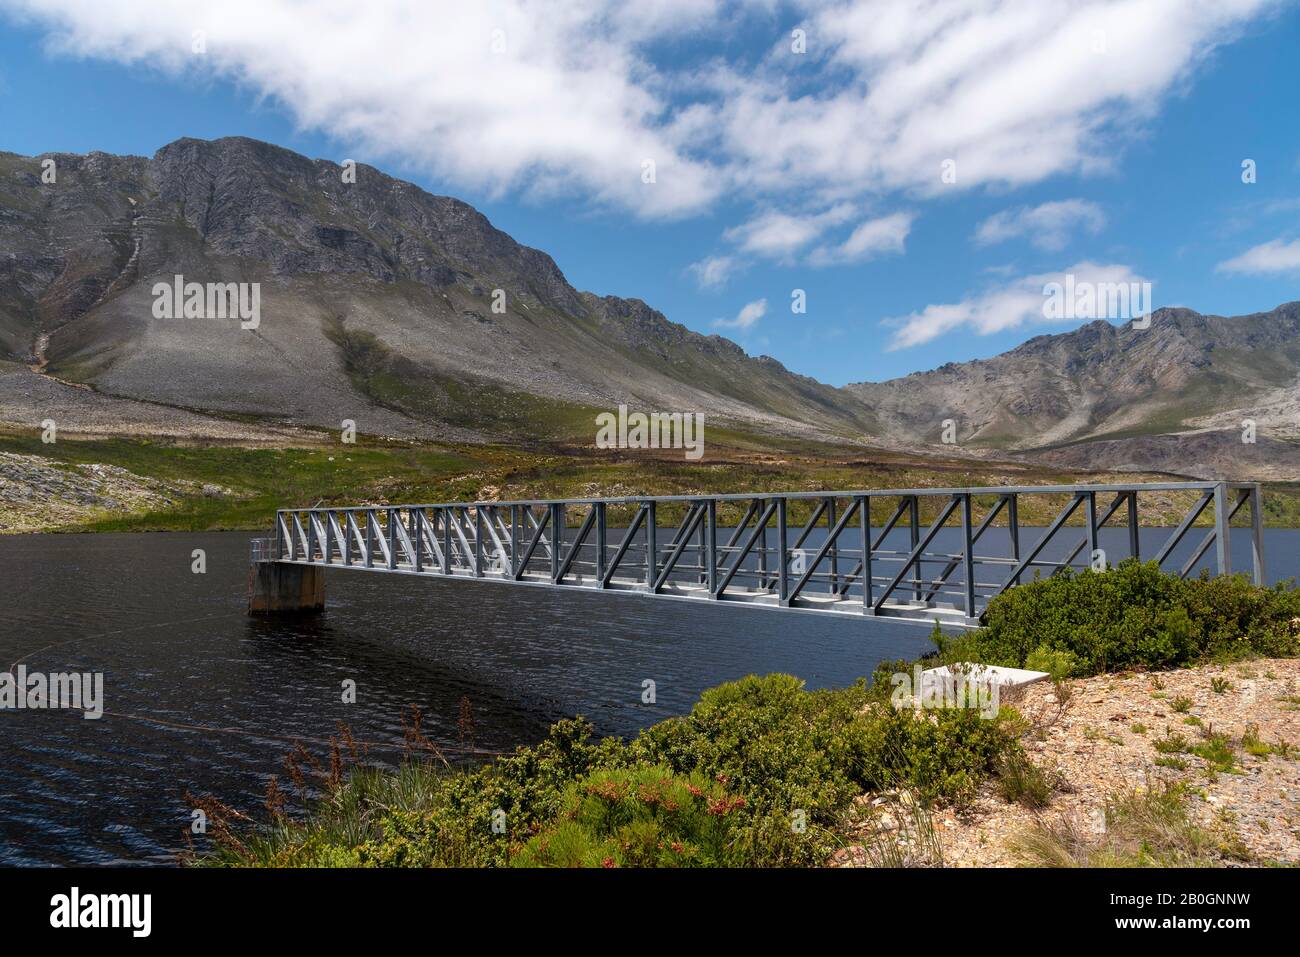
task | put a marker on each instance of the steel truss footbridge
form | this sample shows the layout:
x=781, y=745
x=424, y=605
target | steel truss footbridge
x=919, y=555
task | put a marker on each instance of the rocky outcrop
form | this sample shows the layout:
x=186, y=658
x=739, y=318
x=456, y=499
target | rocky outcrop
x=37, y=493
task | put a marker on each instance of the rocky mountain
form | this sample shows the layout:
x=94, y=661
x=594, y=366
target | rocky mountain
x=412, y=315
x=406, y=312
x=1176, y=396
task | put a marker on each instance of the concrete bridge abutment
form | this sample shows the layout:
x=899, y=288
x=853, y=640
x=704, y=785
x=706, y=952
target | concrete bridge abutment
x=277, y=588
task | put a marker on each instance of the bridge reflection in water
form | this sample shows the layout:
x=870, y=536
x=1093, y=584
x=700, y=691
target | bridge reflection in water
x=819, y=552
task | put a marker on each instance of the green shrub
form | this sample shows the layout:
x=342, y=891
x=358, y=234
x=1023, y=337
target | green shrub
x=1060, y=663
x=788, y=750
x=1133, y=616
x=638, y=817
x=942, y=754
x=785, y=749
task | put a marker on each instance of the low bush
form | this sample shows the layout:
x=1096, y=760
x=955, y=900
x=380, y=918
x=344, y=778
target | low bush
x=638, y=817
x=1132, y=616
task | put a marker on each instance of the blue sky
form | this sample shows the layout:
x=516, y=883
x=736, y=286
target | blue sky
x=820, y=171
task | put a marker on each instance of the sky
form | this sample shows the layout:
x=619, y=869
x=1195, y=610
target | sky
x=914, y=174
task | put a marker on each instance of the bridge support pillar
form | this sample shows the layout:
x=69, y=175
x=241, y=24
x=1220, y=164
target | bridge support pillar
x=276, y=588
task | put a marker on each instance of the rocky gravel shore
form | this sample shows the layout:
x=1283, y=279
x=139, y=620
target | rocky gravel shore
x=1115, y=734
x=37, y=494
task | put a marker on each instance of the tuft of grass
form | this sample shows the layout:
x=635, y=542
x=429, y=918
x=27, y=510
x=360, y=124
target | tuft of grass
x=914, y=843
x=1143, y=828
x=1182, y=704
x=1220, y=685
x=1022, y=782
x=1171, y=743
x=1216, y=750
x=1252, y=745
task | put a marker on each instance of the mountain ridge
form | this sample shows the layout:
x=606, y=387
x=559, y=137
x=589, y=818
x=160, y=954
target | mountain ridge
x=395, y=264
x=379, y=304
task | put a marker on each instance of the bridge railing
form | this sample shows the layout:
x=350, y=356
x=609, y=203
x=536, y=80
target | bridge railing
x=264, y=550
x=919, y=554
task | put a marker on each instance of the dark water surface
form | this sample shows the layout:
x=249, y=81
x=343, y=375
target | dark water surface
x=200, y=697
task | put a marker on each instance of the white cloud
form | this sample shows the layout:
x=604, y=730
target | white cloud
x=1048, y=226
x=1012, y=90
x=749, y=314
x=886, y=234
x=585, y=91
x=1271, y=257
x=777, y=235
x=1018, y=303
x=712, y=272
x=566, y=104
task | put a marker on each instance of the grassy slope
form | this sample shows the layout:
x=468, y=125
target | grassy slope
x=264, y=479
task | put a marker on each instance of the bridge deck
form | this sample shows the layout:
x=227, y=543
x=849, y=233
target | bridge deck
x=939, y=555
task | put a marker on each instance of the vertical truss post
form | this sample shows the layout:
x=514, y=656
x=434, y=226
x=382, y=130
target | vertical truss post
x=968, y=556
x=914, y=525
x=1257, y=535
x=602, y=534
x=651, y=544
x=392, y=538
x=1013, y=529
x=557, y=538
x=782, y=541
x=1090, y=511
x=417, y=536
x=370, y=538
x=864, y=530
x=514, y=540
x=702, y=538
x=1134, y=540
x=1223, y=556
x=835, y=547
x=762, y=556
x=711, y=547
x=446, y=540
x=478, y=541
